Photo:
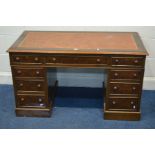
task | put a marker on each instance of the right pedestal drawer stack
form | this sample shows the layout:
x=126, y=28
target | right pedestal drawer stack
x=124, y=85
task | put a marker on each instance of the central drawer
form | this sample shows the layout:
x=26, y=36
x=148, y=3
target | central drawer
x=116, y=88
x=30, y=85
x=99, y=60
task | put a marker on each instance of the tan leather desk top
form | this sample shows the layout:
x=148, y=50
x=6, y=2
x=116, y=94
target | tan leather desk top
x=79, y=43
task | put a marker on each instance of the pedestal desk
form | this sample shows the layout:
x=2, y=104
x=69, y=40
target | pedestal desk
x=121, y=54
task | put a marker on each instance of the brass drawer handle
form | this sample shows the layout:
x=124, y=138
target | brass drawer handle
x=133, y=88
x=40, y=100
x=135, y=75
x=36, y=58
x=115, y=87
x=116, y=60
x=134, y=107
x=38, y=85
x=17, y=58
x=115, y=74
x=132, y=102
x=54, y=59
x=22, y=99
x=37, y=72
x=136, y=61
x=98, y=60
x=21, y=84
x=19, y=71
x=113, y=102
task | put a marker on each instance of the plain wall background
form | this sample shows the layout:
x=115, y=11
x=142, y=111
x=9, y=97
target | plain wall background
x=78, y=77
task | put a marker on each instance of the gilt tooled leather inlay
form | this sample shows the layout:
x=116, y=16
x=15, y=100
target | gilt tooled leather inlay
x=81, y=40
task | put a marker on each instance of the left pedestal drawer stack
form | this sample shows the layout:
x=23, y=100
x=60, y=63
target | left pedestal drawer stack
x=30, y=86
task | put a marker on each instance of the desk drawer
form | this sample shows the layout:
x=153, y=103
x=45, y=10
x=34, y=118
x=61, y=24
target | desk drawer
x=124, y=88
x=126, y=74
x=27, y=85
x=77, y=60
x=123, y=103
x=26, y=59
x=128, y=61
x=28, y=72
x=31, y=101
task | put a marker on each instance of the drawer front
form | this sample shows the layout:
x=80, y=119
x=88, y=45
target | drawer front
x=128, y=61
x=120, y=103
x=126, y=74
x=31, y=101
x=77, y=60
x=26, y=85
x=28, y=72
x=26, y=59
x=124, y=88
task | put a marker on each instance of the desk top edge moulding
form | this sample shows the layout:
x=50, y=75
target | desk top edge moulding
x=121, y=54
x=79, y=42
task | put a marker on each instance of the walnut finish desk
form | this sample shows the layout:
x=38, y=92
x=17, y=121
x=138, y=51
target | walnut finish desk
x=121, y=54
